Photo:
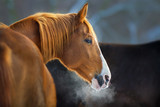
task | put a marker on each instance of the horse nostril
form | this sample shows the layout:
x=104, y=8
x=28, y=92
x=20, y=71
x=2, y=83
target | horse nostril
x=106, y=78
x=99, y=79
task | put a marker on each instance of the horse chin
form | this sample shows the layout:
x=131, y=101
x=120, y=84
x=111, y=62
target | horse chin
x=95, y=85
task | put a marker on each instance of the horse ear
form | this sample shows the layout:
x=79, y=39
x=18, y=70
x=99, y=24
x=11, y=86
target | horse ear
x=82, y=13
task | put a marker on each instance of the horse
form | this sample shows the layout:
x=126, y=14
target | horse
x=24, y=79
x=135, y=83
x=70, y=38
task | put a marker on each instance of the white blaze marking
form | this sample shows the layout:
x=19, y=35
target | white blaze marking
x=105, y=69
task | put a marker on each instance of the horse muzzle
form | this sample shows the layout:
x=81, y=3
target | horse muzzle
x=100, y=82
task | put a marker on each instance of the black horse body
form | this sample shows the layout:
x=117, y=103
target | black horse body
x=135, y=75
x=67, y=82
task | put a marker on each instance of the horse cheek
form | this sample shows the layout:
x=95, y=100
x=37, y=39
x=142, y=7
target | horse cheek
x=71, y=58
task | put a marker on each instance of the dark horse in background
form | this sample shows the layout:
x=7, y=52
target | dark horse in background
x=66, y=83
x=135, y=76
x=136, y=72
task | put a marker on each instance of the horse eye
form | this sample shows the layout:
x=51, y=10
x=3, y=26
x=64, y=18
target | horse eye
x=89, y=41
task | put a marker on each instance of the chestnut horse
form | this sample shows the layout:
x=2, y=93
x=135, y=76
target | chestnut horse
x=24, y=79
x=71, y=38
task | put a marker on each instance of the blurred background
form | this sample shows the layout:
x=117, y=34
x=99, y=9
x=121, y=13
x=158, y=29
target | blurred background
x=114, y=21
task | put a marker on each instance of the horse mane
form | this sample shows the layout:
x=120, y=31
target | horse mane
x=54, y=31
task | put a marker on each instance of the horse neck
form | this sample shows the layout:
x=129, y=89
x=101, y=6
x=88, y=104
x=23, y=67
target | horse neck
x=30, y=29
